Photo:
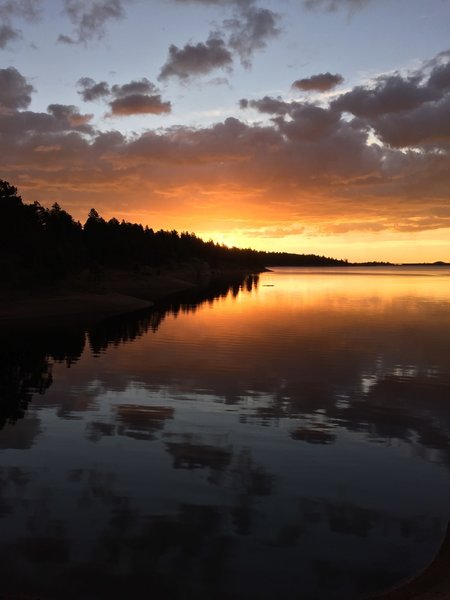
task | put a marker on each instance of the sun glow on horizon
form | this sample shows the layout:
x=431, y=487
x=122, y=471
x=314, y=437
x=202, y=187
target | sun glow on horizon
x=386, y=246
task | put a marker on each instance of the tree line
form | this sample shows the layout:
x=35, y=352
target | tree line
x=48, y=244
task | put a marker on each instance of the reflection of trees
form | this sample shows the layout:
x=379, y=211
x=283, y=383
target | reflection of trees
x=26, y=359
x=122, y=329
x=25, y=367
x=22, y=374
x=126, y=328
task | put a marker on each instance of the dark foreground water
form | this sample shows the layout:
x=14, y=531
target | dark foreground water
x=286, y=438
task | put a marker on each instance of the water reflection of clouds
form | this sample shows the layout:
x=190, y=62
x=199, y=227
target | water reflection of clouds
x=267, y=404
x=290, y=368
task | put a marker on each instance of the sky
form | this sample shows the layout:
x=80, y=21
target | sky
x=310, y=126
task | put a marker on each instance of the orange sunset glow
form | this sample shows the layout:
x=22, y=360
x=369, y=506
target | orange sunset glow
x=235, y=138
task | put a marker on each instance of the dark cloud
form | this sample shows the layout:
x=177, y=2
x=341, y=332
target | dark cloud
x=332, y=5
x=404, y=111
x=134, y=104
x=89, y=18
x=198, y=59
x=65, y=39
x=15, y=92
x=250, y=30
x=219, y=81
x=11, y=9
x=312, y=123
x=7, y=34
x=428, y=124
x=271, y=106
x=91, y=91
x=391, y=94
x=26, y=9
x=440, y=77
x=243, y=3
x=323, y=82
x=144, y=86
x=70, y=117
x=136, y=97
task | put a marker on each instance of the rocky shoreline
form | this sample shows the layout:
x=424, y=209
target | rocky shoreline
x=88, y=298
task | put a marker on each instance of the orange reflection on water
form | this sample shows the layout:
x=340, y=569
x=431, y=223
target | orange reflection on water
x=350, y=286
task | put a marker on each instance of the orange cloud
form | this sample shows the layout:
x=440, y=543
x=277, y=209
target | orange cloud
x=308, y=170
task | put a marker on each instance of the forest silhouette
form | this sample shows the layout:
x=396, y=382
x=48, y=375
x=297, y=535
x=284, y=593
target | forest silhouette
x=39, y=245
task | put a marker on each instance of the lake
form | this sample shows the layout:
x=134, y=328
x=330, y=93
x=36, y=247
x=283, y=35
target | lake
x=285, y=436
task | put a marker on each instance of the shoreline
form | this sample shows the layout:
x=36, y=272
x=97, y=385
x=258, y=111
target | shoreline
x=86, y=300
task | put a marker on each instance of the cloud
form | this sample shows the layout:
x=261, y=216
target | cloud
x=134, y=104
x=323, y=82
x=250, y=30
x=91, y=91
x=404, y=111
x=7, y=34
x=9, y=10
x=219, y=81
x=15, y=92
x=89, y=18
x=428, y=124
x=26, y=9
x=144, y=86
x=276, y=232
x=272, y=106
x=440, y=77
x=70, y=117
x=136, y=97
x=243, y=3
x=390, y=94
x=306, y=165
x=199, y=59
x=65, y=39
x=333, y=5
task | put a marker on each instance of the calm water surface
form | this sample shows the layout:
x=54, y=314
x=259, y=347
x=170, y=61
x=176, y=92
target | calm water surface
x=288, y=437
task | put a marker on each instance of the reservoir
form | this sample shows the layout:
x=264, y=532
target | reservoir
x=284, y=436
